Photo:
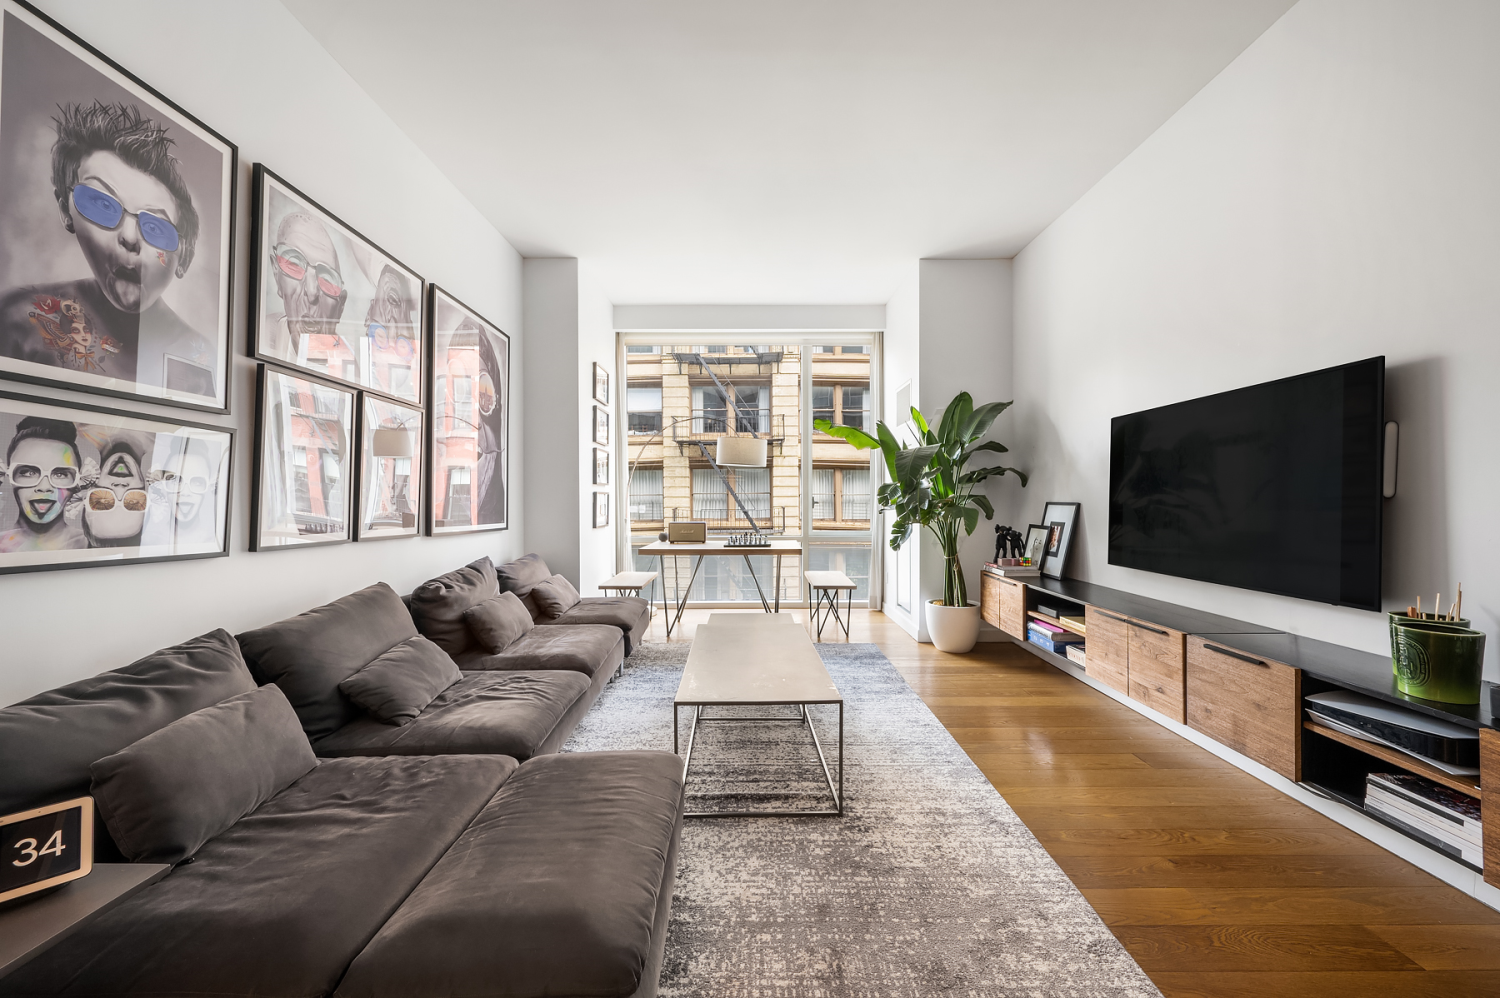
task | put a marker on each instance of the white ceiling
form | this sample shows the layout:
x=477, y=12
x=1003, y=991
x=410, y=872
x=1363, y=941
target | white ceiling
x=778, y=150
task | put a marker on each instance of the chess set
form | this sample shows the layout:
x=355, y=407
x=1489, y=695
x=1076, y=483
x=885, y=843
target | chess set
x=748, y=540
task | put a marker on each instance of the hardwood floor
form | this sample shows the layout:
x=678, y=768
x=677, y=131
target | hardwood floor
x=1218, y=885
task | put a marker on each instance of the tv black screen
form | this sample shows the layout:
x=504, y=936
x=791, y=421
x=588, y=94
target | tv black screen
x=1275, y=487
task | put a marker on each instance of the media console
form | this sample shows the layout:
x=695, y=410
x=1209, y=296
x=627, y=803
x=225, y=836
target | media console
x=1242, y=686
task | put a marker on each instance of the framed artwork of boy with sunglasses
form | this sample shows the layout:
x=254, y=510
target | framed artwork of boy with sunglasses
x=116, y=218
x=83, y=486
x=330, y=302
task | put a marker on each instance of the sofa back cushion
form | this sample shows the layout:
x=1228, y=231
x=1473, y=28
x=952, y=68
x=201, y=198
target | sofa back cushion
x=521, y=575
x=399, y=685
x=498, y=622
x=166, y=795
x=48, y=742
x=438, y=606
x=554, y=597
x=310, y=654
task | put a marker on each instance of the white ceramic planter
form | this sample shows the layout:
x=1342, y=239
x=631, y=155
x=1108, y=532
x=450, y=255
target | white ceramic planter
x=953, y=628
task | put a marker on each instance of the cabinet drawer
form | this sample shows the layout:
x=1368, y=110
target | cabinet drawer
x=1012, y=598
x=1158, y=669
x=1489, y=802
x=1107, y=648
x=1251, y=704
x=989, y=599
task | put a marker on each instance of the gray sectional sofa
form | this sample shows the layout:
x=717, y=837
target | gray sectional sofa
x=411, y=835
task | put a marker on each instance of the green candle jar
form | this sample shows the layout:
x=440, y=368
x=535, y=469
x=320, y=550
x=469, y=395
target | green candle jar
x=1437, y=660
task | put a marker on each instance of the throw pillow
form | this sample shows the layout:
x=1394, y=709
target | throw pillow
x=554, y=597
x=399, y=685
x=498, y=622
x=520, y=575
x=166, y=795
x=438, y=606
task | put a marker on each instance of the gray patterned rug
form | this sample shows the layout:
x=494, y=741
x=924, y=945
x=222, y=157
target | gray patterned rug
x=928, y=885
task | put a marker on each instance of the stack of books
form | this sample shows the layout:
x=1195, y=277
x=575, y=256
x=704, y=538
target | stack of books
x=1051, y=637
x=1430, y=812
x=1012, y=568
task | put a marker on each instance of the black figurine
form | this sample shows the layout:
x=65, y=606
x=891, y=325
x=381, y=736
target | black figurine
x=1008, y=542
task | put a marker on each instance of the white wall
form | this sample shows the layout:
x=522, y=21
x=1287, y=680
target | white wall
x=596, y=344
x=1329, y=197
x=901, y=366
x=228, y=63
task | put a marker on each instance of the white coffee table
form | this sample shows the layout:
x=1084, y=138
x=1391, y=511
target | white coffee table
x=755, y=661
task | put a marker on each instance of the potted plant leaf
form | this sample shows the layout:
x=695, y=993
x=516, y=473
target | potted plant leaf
x=931, y=485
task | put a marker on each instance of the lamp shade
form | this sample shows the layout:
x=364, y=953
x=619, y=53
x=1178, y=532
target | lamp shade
x=391, y=443
x=740, y=452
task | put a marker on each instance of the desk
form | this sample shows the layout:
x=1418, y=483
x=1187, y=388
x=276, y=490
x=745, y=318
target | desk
x=662, y=549
x=32, y=926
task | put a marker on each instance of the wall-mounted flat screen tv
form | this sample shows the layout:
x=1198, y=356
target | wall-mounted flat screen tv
x=1275, y=487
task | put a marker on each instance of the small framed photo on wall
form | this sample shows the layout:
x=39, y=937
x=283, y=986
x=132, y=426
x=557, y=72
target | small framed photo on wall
x=304, y=462
x=601, y=426
x=601, y=509
x=1061, y=521
x=601, y=384
x=601, y=466
x=390, y=469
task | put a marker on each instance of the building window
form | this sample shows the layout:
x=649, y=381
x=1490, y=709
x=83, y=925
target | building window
x=711, y=501
x=643, y=407
x=645, y=495
x=333, y=493
x=841, y=498
x=463, y=400
x=842, y=405
x=301, y=488
x=326, y=401
x=457, y=508
x=643, y=349
x=711, y=414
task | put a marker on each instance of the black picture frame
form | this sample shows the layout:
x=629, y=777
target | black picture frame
x=601, y=383
x=452, y=356
x=601, y=509
x=125, y=422
x=78, y=324
x=264, y=336
x=1032, y=530
x=601, y=426
x=1063, y=517
x=368, y=462
x=264, y=380
x=601, y=466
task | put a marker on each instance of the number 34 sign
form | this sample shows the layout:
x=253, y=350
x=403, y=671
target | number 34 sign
x=46, y=847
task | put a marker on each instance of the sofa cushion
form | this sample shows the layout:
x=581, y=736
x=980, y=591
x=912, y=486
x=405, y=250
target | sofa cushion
x=281, y=903
x=497, y=622
x=553, y=890
x=554, y=596
x=48, y=742
x=631, y=614
x=520, y=575
x=402, y=681
x=310, y=654
x=166, y=795
x=504, y=713
x=438, y=605
x=585, y=648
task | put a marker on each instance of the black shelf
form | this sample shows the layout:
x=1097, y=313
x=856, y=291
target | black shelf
x=1359, y=671
x=1178, y=618
x=1358, y=803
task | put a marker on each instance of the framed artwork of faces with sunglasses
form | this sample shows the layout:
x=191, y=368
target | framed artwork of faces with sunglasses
x=390, y=469
x=82, y=486
x=116, y=226
x=330, y=302
x=469, y=447
x=304, y=462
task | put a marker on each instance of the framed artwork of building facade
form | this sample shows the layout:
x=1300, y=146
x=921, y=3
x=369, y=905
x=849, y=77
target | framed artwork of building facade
x=304, y=462
x=87, y=486
x=391, y=436
x=116, y=226
x=469, y=450
x=328, y=301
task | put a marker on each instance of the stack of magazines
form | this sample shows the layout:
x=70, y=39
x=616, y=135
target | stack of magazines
x=1443, y=818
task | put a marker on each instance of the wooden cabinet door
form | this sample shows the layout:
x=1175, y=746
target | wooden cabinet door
x=1250, y=704
x=1489, y=802
x=1107, y=648
x=1158, y=669
x=989, y=599
x=1013, y=608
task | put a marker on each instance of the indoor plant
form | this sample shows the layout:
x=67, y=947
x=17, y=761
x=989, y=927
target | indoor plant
x=932, y=486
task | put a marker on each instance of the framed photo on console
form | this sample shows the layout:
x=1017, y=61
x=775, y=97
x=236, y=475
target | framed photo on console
x=1060, y=519
x=391, y=438
x=469, y=451
x=304, y=462
x=116, y=226
x=84, y=486
x=329, y=302
x=1036, y=544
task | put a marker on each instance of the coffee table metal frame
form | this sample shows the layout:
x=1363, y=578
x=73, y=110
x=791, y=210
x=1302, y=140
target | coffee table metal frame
x=803, y=718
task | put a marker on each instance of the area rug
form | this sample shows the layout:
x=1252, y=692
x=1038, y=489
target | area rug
x=927, y=885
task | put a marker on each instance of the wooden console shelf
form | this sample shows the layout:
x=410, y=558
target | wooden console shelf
x=1242, y=685
x=1463, y=784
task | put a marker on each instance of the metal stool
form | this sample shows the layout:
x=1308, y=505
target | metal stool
x=826, y=587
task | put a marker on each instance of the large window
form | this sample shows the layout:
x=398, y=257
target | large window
x=841, y=498
x=752, y=405
x=645, y=495
x=843, y=405
x=643, y=405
